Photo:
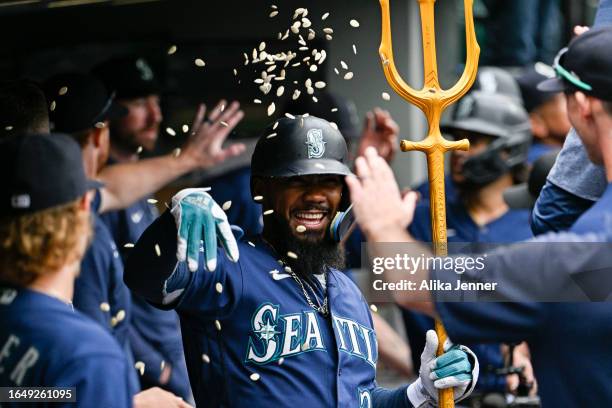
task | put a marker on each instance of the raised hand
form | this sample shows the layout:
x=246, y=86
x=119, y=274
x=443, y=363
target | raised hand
x=205, y=143
x=380, y=132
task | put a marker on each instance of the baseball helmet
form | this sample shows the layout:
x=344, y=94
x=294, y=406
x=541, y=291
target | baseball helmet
x=304, y=146
x=501, y=118
x=494, y=80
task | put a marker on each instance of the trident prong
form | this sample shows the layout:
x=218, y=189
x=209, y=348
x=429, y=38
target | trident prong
x=433, y=100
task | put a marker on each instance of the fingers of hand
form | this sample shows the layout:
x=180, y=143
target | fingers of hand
x=217, y=111
x=210, y=240
x=198, y=119
x=454, y=381
x=451, y=363
x=193, y=241
x=431, y=344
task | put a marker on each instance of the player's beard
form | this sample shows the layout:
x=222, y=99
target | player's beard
x=314, y=254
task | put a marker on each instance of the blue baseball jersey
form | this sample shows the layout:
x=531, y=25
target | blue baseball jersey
x=250, y=336
x=513, y=226
x=45, y=343
x=554, y=331
x=537, y=150
x=155, y=334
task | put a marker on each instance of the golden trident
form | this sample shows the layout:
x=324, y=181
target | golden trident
x=433, y=100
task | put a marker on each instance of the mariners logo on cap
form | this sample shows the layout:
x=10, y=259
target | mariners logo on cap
x=315, y=143
x=146, y=73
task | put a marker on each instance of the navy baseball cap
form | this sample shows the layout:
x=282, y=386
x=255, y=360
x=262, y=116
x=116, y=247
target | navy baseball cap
x=79, y=102
x=528, y=83
x=40, y=171
x=585, y=65
x=128, y=77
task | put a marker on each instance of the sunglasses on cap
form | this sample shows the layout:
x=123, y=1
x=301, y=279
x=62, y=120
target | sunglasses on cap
x=571, y=77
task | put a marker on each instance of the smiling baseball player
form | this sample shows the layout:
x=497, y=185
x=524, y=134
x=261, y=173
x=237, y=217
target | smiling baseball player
x=275, y=323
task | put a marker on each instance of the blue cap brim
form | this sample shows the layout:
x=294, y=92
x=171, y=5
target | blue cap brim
x=93, y=184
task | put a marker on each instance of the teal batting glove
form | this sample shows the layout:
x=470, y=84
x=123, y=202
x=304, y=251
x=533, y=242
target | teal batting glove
x=198, y=217
x=457, y=368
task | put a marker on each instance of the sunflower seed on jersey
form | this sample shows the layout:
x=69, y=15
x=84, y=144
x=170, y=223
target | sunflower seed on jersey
x=258, y=198
x=170, y=131
x=273, y=14
x=300, y=228
x=113, y=321
x=324, y=16
x=140, y=366
x=354, y=23
x=271, y=109
x=251, y=244
x=52, y=106
x=348, y=75
x=226, y=205
x=105, y=307
x=280, y=91
x=224, y=124
x=334, y=109
x=292, y=255
x=320, y=166
x=374, y=308
x=254, y=377
x=219, y=287
x=185, y=128
x=172, y=49
x=176, y=152
x=199, y=62
x=120, y=315
x=320, y=84
x=157, y=250
x=162, y=365
x=281, y=360
x=354, y=49
x=288, y=269
x=218, y=325
x=268, y=212
x=205, y=358
x=290, y=116
x=139, y=150
x=128, y=245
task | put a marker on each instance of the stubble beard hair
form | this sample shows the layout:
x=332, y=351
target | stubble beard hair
x=313, y=253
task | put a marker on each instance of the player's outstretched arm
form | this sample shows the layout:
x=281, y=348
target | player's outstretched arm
x=127, y=182
x=162, y=260
x=457, y=368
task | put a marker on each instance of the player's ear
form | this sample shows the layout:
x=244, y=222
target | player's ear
x=584, y=104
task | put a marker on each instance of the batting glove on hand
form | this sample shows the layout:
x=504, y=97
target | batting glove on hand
x=198, y=216
x=457, y=368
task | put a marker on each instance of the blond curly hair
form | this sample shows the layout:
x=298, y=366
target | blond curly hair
x=36, y=244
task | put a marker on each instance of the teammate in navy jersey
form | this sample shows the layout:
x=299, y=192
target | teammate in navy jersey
x=100, y=293
x=276, y=323
x=138, y=90
x=565, y=338
x=45, y=228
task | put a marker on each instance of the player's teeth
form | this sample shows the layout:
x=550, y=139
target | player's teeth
x=254, y=377
x=205, y=358
x=218, y=325
x=219, y=287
